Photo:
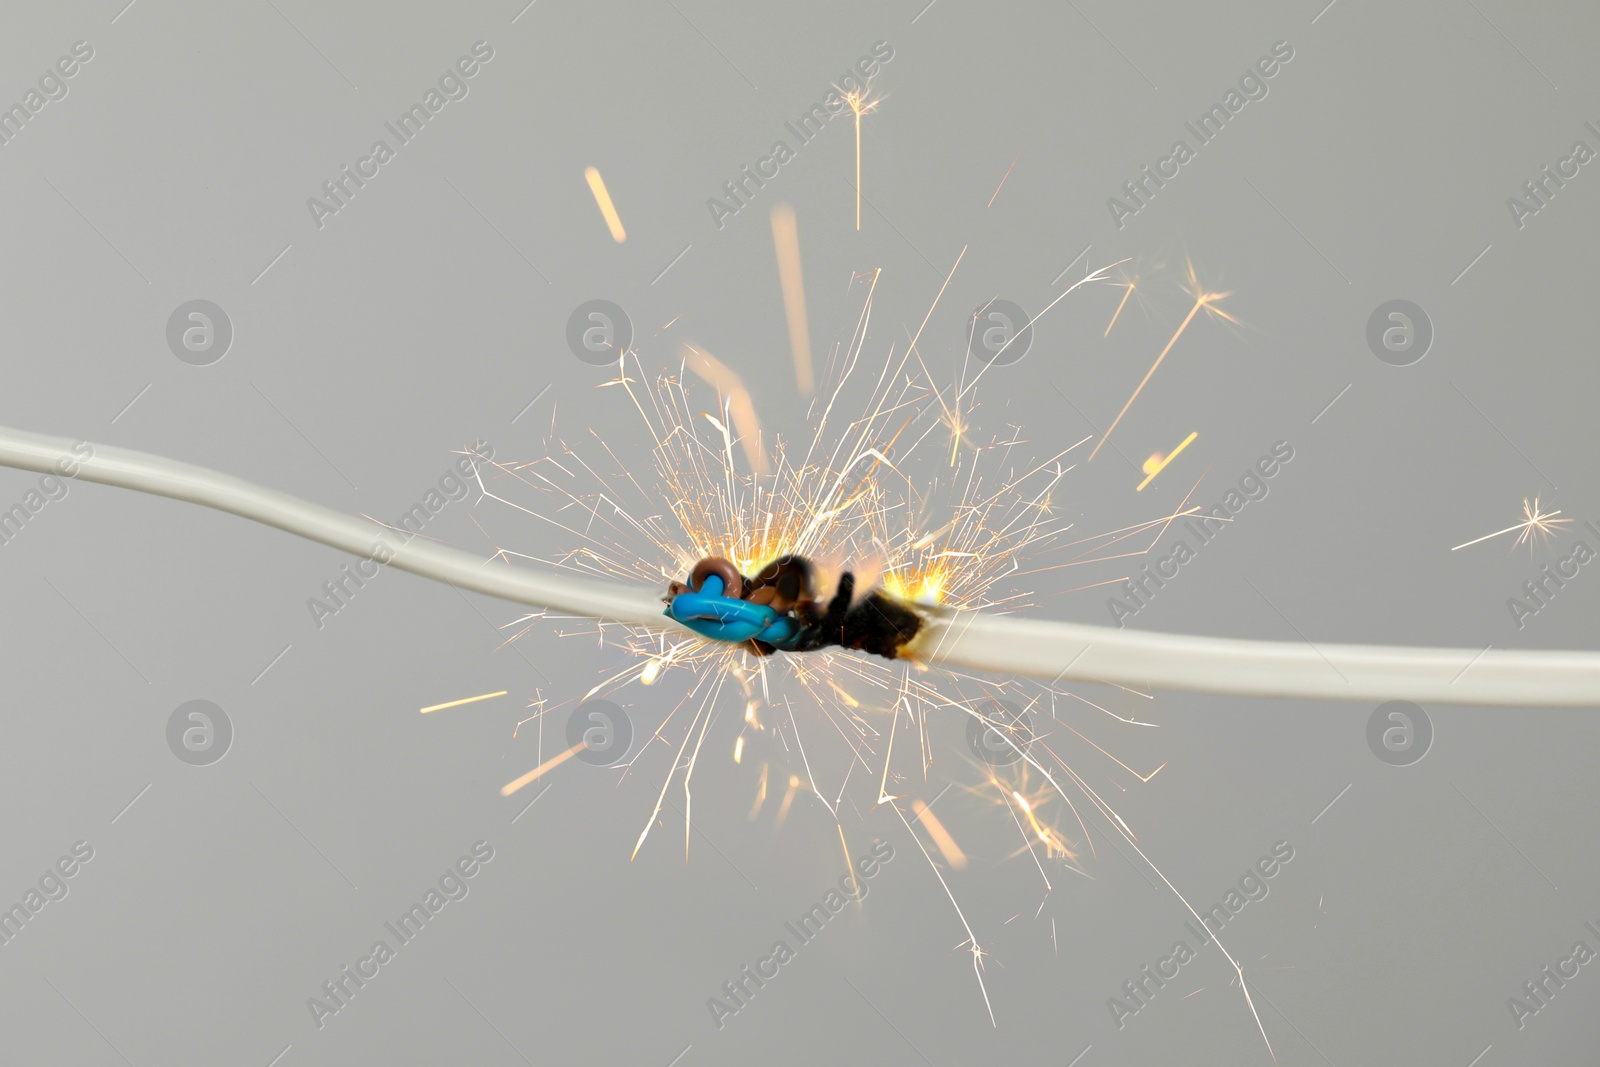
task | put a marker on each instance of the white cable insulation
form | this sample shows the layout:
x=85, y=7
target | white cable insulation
x=200, y=485
x=1009, y=645
x=1041, y=648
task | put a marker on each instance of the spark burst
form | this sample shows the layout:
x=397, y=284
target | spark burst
x=860, y=102
x=873, y=491
x=1537, y=524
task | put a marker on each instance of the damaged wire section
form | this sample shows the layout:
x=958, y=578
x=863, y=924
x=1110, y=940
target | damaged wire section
x=878, y=513
x=778, y=609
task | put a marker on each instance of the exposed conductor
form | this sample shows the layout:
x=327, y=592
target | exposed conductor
x=779, y=609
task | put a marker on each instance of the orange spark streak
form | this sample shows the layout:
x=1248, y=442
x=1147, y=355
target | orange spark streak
x=1156, y=464
x=597, y=185
x=1202, y=299
x=883, y=785
x=465, y=700
x=941, y=837
x=727, y=383
x=849, y=865
x=1027, y=809
x=761, y=794
x=854, y=99
x=788, y=799
x=554, y=761
x=855, y=105
x=1128, y=291
x=786, y=239
x=1536, y=523
x=1002, y=184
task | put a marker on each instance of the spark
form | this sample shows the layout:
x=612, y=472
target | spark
x=553, y=762
x=597, y=185
x=464, y=700
x=844, y=697
x=883, y=784
x=1127, y=291
x=688, y=797
x=761, y=794
x=1046, y=837
x=1203, y=299
x=786, y=240
x=860, y=103
x=950, y=415
x=742, y=408
x=1537, y=524
x=1030, y=801
x=1158, y=463
x=956, y=424
x=1002, y=184
x=1145, y=778
x=1096, y=276
x=941, y=837
x=702, y=719
x=788, y=799
x=972, y=939
x=849, y=866
x=937, y=297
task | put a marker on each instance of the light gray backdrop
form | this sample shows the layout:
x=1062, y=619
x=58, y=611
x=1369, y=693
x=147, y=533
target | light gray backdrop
x=431, y=310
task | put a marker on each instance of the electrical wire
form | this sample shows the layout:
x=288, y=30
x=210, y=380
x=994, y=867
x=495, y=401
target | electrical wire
x=1002, y=644
x=160, y=476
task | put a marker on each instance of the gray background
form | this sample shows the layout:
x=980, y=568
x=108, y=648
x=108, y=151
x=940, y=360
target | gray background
x=432, y=310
